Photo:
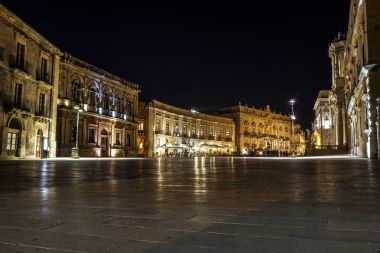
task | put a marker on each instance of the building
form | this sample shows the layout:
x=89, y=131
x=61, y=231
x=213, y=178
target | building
x=167, y=130
x=355, y=62
x=29, y=79
x=264, y=132
x=108, y=121
x=327, y=127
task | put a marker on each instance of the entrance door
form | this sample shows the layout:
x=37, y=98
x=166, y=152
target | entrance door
x=39, y=143
x=13, y=137
x=12, y=144
x=104, y=143
x=38, y=146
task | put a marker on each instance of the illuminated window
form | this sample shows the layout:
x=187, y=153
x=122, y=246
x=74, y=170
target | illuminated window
x=326, y=122
x=141, y=126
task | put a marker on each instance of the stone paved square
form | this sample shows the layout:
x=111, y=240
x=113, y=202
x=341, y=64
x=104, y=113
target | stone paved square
x=221, y=204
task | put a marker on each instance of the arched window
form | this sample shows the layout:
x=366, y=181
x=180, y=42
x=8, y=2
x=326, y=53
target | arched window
x=253, y=127
x=176, y=129
x=92, y=95
x=129, y=108
x=119, y=104
x=76, y=91
x=106, y=101
x=261, y=128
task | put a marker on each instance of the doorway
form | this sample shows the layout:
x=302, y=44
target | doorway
x=39, y=143
x=104, y=143
x=13, y=138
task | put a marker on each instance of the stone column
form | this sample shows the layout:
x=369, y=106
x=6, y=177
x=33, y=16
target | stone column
x=378, y=127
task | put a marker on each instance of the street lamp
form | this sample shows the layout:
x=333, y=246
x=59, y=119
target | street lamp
x=293, y=118
x=75, y=151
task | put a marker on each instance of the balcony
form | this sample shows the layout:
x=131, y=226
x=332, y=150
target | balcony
x=229, y=139
x=220, y=138
x=194, y=136
x=185, y=135
x=158, y=132
x=23, y=104
x=44, y=77
x=43, y=113
x=246, y=134
x=25, y=67
x=201, y=137
x=211, y=138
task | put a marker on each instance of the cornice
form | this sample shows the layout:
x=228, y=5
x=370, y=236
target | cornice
x=13, y=20
x=71, y=60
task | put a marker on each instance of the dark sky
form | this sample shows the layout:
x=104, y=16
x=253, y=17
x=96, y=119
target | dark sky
x=203, y=56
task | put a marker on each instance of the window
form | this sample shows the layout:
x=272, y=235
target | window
x=92, y=95
x=106, y=102
x=2, y=54
x=119, y=107
x=118, y=139
x=219, y=133
x=129, y=140
x=326, y=122
x=193, y=131
x=202, y=132
x=176, y=129
x=73, y=133
x=18, y=94
x=41, y=104
x=12, y=141
x=167, y=127
x=91, y=135
x=228, y=135
x=141, y=127
x=141, y=145
x=184, y=130
x=158, y=125
x=129, y=107
x=44, y=70
x=210, y=133
x=20, y=56
x=76, y=91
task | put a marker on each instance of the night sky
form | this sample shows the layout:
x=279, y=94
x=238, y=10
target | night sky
x=202, y=56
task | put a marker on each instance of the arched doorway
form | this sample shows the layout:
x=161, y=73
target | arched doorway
x=13, y=137
x=104, y=143
x=39, y=141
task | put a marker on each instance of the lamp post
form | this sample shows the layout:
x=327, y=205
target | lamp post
x=292, y=117
x=75, y=151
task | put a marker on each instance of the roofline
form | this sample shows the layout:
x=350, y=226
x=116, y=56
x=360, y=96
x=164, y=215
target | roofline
x=188, y=111
x=11, y=18
x=68, y=58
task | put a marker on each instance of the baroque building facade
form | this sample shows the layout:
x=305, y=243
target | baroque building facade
x=326, y=133
x=355, y=62
x=264, y=132
x=108, y=121
x=166, y=130
x=29, y=79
